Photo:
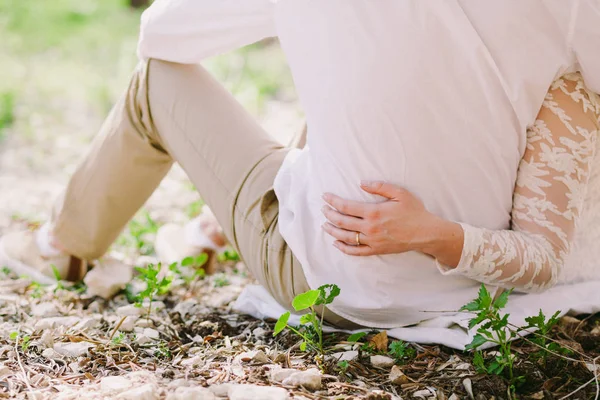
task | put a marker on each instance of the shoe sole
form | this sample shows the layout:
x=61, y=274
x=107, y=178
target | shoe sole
x=22, y=269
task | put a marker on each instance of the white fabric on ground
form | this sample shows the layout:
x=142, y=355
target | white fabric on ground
x=451, y=330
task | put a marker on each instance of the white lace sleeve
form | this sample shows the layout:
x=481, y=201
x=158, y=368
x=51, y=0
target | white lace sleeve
x=548, y=197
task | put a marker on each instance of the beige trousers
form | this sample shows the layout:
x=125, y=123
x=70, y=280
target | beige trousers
x=179, y=113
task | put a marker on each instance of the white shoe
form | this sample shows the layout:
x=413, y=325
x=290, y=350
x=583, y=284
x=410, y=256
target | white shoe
x=201, y=235
x=19, y=252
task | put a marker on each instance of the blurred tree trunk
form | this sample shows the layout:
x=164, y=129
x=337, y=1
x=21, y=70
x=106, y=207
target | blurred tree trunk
x=139, y=3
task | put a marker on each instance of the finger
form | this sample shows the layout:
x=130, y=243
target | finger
x=343, y=221
x=384, y=189
x=348, y=207
x=354, y=250
x=348, y=237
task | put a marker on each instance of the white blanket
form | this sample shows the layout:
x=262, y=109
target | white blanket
x=452, y=330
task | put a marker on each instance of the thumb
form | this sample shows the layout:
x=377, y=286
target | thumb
x=384, y=189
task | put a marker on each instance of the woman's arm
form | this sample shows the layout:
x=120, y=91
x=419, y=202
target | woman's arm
x=548, y=198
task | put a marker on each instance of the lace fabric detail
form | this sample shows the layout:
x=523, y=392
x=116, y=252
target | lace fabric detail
x=549, y=196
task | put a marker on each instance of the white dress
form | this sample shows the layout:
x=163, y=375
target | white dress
x=555, y=226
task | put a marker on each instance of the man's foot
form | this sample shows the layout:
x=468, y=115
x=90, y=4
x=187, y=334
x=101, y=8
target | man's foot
x=201, y=235
x=20, y=252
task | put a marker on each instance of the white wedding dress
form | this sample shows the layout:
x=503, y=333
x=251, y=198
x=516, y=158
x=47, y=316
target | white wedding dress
x=551, y=256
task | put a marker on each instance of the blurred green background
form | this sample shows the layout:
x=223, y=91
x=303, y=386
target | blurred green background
x=64, y=62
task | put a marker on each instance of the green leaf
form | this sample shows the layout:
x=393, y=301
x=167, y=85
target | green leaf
x=328, y=293
x=485, y=299
x=478, y=319
x=13, y=335
x=479, y=362
x=306, y=318
x=495, y=367
x=472, y=306
x=281, y=323
x=186, y=262
x=355, y=337
x=501, y=301
x=305, y=300
x=201, y=260
x=478, y=340
x=55, y=272
x=303, y=346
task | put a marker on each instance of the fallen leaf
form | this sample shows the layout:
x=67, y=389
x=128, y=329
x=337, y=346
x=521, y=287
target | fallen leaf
x=380, y=341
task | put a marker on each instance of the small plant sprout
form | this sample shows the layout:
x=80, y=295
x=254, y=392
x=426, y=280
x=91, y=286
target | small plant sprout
x=493, y=329
x=118, y=339
x=311, y=325
x=400, y=351
x=221, y=280
x=343, y=366
x=228, y=255
x=190, y=268
x=154, y=285
x=20, y=341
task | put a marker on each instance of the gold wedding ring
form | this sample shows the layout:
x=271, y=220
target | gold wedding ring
x=358, y=238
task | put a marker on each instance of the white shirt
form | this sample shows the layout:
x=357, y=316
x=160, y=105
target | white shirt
x=432, y=95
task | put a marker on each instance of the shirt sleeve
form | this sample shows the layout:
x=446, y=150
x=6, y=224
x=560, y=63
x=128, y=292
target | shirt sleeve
x=585, y=41
x=188, y=31
x=548, y=198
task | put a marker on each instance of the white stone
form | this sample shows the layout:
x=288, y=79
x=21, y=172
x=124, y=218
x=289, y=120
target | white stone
x=142, y=339
x=144, y=323
x=88, y=323
x=128, y=324
x=115, y=384
x=76, y=349
x=151, y=333
x=46, y=309
x=47, y=339
x=144, y=392
x=382, y=361
x=184, y=307
x=107, y=278
x=221, y=390
x=344, y=356
x=309, y=379
x=191, y=393
x=196, y=361
x=129, y=310
x=53, y=322
x=280, y=374
x=259, y=332
x=254, y=392
x=423, y=393
x=50, y=354
x=397, y=377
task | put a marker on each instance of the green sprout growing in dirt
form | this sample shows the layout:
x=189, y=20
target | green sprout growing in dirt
x=311, y=325
x=540, y=337
x=20, y=341
x=400, y=351
x=221, y=280
x=78, y=287
x=193, y=264
x=493, y=329
x=228, y=255
x=154, y=285
x=118, y=339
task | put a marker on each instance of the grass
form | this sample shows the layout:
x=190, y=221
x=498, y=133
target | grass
x=63, y=59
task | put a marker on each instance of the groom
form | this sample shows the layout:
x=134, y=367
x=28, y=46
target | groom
x=428, y=96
